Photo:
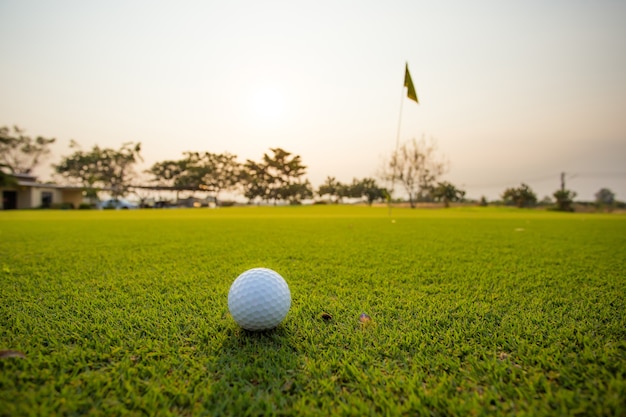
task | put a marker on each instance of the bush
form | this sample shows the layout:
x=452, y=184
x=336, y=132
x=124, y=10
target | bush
x=564, y=200
x=62, y=206
x=521, y=197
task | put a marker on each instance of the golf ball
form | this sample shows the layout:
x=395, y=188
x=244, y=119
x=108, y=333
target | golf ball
x=259, y=299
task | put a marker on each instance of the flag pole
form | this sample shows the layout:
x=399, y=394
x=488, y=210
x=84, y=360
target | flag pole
x=395, y=154
x=400, y=119
x=410, y=93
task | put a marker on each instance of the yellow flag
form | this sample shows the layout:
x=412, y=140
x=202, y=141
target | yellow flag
x=408, y=83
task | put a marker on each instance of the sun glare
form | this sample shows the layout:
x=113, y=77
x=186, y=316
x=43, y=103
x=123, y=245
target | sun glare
x=268, y=105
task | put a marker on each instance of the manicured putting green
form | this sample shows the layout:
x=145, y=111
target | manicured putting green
x=426, y=312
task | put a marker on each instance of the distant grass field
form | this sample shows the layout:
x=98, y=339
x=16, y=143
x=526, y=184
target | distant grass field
x=474, y=312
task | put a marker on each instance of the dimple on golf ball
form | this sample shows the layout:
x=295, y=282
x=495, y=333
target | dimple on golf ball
x=259, y=299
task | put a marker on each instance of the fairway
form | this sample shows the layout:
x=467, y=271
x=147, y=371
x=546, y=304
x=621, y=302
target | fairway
x=474, y=311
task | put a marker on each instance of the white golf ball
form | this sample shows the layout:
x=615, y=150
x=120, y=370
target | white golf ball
x=259, y=299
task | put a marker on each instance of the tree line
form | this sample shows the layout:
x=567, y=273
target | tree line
x=279, y=176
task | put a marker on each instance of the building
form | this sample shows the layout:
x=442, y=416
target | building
x=27, y=193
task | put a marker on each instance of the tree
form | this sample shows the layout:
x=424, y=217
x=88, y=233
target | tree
x=284, y=171
x=605, y=198
x=522, y=196
x=417, y=167
x=276, y=177
x=166, y=173
x=546, y=201
x=101, y=167
x=6, y=179
x=209, y=172
x=344, y=191
x=20, y=153
x=255, y=181
x=118, y=172
x=199, y=171
x=368, y=189
x=564, y=200
x=298, y=191
x=331, y=188
x=82, y=168
x=447, y=192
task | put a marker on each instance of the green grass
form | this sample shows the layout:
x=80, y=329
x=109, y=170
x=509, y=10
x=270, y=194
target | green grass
x=475, y=311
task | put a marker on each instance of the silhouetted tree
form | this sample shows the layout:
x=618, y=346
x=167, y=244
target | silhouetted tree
x=345, y=191
x=209, y=172
x=448, y=193
x=166, y=173
x=20, y=153
x=522, y=196
x=331, y=188
x=255, y=181
x=368, y=189
x=108, y=168
x=6, y=179
x=297, y=191
x=416, y=166
x=605, y=199
x=277, y=177
x=564, y=200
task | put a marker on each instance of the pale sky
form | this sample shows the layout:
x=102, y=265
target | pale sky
x=512, y=91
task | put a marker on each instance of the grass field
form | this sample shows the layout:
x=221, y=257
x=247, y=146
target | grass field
x=474, y=312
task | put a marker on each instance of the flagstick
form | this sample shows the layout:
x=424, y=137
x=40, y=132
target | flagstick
x=395, y=154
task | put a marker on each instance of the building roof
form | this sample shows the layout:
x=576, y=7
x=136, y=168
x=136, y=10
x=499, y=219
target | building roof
x=27, y=180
